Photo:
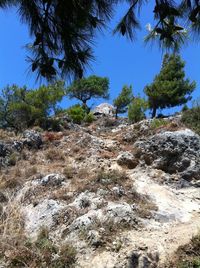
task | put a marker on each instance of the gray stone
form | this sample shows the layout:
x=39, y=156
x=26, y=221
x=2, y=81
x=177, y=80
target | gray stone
x=41, y=215
x=127, y=159
x=32, y=139
x=84, y=222
x=52, y=180
x=10, y=147
x=173, y=152
x=120, y=213
x=94, y=238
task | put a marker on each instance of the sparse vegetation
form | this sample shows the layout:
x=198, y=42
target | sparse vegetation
x=136, y=110
x=30, y=171
x=54, y=155
x=123, y=100
x=40, y=253
x=89, y=118
x=187, y=256
x=68, y=171
x=191, y=118
x=76, y=113
x=158, y=122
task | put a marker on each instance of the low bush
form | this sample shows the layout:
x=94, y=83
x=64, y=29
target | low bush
x=76, y=113
x=89, y=118
x=158, y=122
x=136, y=110
x=191, y=118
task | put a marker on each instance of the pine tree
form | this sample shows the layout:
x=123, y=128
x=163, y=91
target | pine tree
x=123, y=100
x=169, y=88
x=86, y=88
x=63, y=30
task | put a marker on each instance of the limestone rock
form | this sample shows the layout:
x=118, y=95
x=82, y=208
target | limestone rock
x=120, y=213
x=32, y=139
x=127, y=159
x=52, y=180
x=41, y=215
x=173, y=152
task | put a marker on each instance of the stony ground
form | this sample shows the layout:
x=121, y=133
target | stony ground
x=121, y=195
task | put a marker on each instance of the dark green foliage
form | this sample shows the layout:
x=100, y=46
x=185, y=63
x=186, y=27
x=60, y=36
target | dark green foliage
x=136, y=110
x=191, y=118
x=63, y=31
x=123, y=100
x=169, y=88
x=21, y=108
x=86, y=88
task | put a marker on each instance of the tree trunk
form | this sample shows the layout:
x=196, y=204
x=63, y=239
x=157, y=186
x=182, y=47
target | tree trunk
x=116, y=114
x=85, y=107
x=154, y=112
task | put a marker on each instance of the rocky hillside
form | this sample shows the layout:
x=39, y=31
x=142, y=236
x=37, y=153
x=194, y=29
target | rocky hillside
x=103, y=195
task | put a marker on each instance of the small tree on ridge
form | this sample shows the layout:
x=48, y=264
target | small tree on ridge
x=123, y=100
x=169, y=88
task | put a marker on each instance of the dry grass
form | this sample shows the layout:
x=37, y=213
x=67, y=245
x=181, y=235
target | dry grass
x=7, y=181
x=18, y=251
x=55, y=155
x=187, y=256
x=52, y=136
x=92, y=181
x=68, y=171
x=30, y=171
x=6, y=135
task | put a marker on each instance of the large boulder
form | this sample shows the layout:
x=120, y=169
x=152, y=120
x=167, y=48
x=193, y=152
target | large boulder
x=173, y=152
x=104, y=109
x=32, y=139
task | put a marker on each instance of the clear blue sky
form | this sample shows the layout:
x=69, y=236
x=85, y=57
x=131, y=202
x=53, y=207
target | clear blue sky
x=124, y=62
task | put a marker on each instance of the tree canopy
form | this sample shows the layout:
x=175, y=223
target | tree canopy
x=86, y=88
x=123, y=100
x=21, y=107
x=64, y=30
x=169, y=88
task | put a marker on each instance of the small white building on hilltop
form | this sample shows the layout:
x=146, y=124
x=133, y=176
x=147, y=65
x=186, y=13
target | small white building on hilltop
x=104, y=109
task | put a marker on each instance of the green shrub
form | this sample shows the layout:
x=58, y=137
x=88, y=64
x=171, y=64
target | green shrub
x=185, y=108
x=21, y=108
x=136, y=110
x=76, y=113
x=89, y=118
x=158, y=122
x=191, y=118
